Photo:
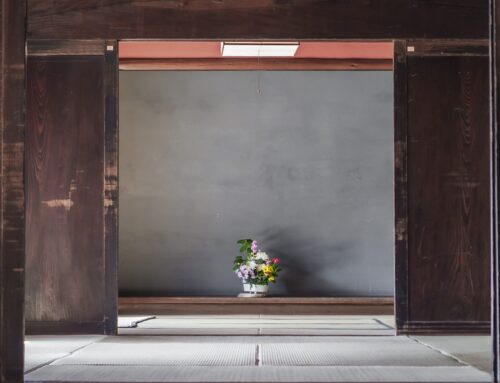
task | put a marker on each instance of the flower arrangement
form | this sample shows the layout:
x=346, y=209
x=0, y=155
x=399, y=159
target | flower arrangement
x=253, y=266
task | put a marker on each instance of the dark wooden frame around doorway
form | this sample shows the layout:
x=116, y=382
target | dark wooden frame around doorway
x=301, y=19
x=277, y=305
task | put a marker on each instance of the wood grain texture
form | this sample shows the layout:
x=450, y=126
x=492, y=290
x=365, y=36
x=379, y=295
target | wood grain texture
x=430, y=47
x=400, y=184
x=495, y=183
x=448, y=183
x=268, y=305
x=257, y=19
x=12, y=130
x=64, y=183
x=65, y=327
x=445, y=327
x=111, y=186
x=65, y=47
x=280, y=64
x=269, y=300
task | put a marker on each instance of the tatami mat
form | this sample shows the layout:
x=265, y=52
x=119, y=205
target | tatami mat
x=262, y=348
x=163, y=354
x=264, y=322
x=369, y=341
x=189, y=331
x=263, y=325
x=395, y=351
x=399, y=352
x=41, y=349
x=156, y=374
x=256, y=359
x=325, y=332
x=265, y=318
x=132, y=321
x=474, y=350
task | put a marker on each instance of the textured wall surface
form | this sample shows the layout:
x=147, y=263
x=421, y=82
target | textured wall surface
x=300, y=161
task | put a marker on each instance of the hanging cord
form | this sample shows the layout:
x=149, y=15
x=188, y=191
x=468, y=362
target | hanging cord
x=258, y=73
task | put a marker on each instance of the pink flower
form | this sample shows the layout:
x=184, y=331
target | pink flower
x=275, y=260
x=254, y=246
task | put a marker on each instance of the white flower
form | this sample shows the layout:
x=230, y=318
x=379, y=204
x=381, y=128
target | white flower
x=252, y=265
x=261, y=255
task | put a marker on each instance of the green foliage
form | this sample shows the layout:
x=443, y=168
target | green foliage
x=239, y=260
x=246, y=245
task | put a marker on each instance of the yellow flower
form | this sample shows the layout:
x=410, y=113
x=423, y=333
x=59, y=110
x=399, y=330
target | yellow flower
x=268, y=269
x=271, y=279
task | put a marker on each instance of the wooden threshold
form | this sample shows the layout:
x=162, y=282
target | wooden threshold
x=444, y=327
x=267, y=305
x=281, y=64
x=64, y=328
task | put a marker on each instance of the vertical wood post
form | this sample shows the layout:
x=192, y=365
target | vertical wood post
x=400, y=184
x=111, y=186
x=495, y=187
x=12, y=123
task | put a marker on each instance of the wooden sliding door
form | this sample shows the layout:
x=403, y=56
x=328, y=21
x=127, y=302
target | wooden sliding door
x=442, y=253
x=71, y=188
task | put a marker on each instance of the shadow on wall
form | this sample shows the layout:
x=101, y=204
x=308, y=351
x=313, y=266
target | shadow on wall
x=304, y=166
x=301, y=272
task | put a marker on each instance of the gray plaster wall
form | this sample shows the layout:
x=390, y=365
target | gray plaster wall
x=300, y=161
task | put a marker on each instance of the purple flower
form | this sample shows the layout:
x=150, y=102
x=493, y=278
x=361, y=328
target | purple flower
x=254, y=247
x=244, y=272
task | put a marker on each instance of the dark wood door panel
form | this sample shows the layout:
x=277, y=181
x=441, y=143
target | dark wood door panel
x=448, y=183
x=64, y=183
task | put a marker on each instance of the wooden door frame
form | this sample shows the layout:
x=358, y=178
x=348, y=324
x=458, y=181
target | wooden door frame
x=494, y=15
x=400, y=186
x=111, y=186
x=12, y=110
x=419, y=48
x=12, y=122
x=280, y=305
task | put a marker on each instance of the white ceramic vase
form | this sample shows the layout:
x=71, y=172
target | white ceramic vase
x=250, y=288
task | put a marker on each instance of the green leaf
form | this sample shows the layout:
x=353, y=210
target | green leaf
x=238, y=259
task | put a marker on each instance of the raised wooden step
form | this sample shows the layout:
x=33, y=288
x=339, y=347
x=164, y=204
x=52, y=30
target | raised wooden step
x=267, y=305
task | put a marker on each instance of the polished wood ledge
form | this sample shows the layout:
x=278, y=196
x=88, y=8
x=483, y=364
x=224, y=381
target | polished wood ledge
x=267, y=305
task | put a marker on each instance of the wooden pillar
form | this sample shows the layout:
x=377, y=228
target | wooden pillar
x=495, y=186
x=12, y=122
